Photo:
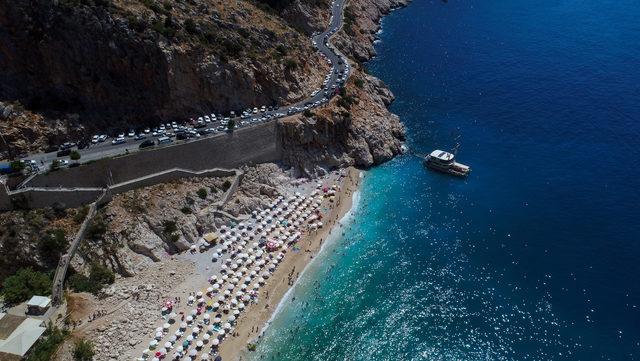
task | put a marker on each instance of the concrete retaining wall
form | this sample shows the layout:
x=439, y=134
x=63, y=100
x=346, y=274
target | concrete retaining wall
x=74, y=197
x=256, y=144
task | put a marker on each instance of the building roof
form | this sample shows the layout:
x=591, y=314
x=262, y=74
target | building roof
x=442, y=155
x=39, y=301
x=23, y=337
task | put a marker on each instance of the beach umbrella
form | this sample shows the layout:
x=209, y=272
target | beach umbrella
x=215, y=342
x=173, y=339
x=166, y=326
x=178, y=333
x=193, y=352
x=236, y=313
x=185, y=344
x=221, y=333
x=190, y=338
x=204, y=356
x=167, y=345
x=217, y=320
x=210, y=289
x=153, y=344
x=206, y=316
x=179, y=348
x=199, y=344
x=195, y=330
x=231, y=318
x=206, y=337
x=221, y=298
x=159, y=335
x=183, y=325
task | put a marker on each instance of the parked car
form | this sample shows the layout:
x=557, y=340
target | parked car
x=146, y=144
x=140, y=137
x=102, y=138
x=95, y=139
x=118, y=140
x=63, y=153
x=164, y=140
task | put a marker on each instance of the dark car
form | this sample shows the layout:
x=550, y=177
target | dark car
x=182, y=136
x=51, y=149
x=83, y=144
x=147, y=143
x=63, y=153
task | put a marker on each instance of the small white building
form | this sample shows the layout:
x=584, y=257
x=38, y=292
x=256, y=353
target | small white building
x=18, y=334
x=38, y=305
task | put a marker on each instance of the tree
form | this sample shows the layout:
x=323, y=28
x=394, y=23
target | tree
x=74, y=155
x=307, y=113
x=16, y=166
x=83, y=350
x=24, y=284
x=202, y=193
x=231, y=124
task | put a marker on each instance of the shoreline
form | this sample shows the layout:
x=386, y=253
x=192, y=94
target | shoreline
x=258, y=316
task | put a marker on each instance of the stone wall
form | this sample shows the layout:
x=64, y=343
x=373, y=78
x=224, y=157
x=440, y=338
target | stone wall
x=257, y=144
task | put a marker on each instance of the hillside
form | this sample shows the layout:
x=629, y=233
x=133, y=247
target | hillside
x=74, y=65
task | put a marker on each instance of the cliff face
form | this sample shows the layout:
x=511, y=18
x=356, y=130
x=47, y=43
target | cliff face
x=128, y=62
x=355, y=129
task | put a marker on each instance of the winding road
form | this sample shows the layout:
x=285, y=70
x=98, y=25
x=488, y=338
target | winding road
x=339, y=74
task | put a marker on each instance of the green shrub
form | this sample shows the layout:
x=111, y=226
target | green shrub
x=186, y=210
x=202, y=193
x=83, y=350
x=231, y=124
x=190, y=26
x=281, y=49
x=81, y=214
x=307, y=113
x=99, y=274
x=290, y=64
x=251, y=347
x=226, y=185
x=174, y=237
x=80, y=283
x=359, y=83
x=16, y=166
x=53, y=244
x=169, y=227
x=96, y=228
x=24, y=284
x=74, y=155
x=45, y=348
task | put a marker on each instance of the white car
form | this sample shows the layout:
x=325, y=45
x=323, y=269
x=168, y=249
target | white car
x=102, y=138
x=95, y=139
x=118, y=140
x=147, y=130
x=131, y=133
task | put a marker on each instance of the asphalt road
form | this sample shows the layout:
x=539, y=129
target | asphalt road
x=321, y=41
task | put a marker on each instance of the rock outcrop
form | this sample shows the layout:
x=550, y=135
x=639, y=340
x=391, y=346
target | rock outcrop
x=356, y=128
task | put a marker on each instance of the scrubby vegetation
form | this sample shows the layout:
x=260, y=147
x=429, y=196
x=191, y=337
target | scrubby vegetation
x=47, y=345
x=83, y=350
x=99, y=276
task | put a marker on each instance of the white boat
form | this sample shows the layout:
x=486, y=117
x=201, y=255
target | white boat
x=446, y=162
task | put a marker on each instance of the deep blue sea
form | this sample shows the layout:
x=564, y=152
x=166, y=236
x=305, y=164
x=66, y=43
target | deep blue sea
x=536, y=256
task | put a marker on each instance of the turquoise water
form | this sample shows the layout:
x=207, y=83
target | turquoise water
x=536, y=256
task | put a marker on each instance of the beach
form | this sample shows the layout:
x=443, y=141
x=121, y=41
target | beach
x=250, y=325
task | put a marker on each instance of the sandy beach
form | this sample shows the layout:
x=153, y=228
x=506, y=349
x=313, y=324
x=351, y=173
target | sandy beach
x=250, y=325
